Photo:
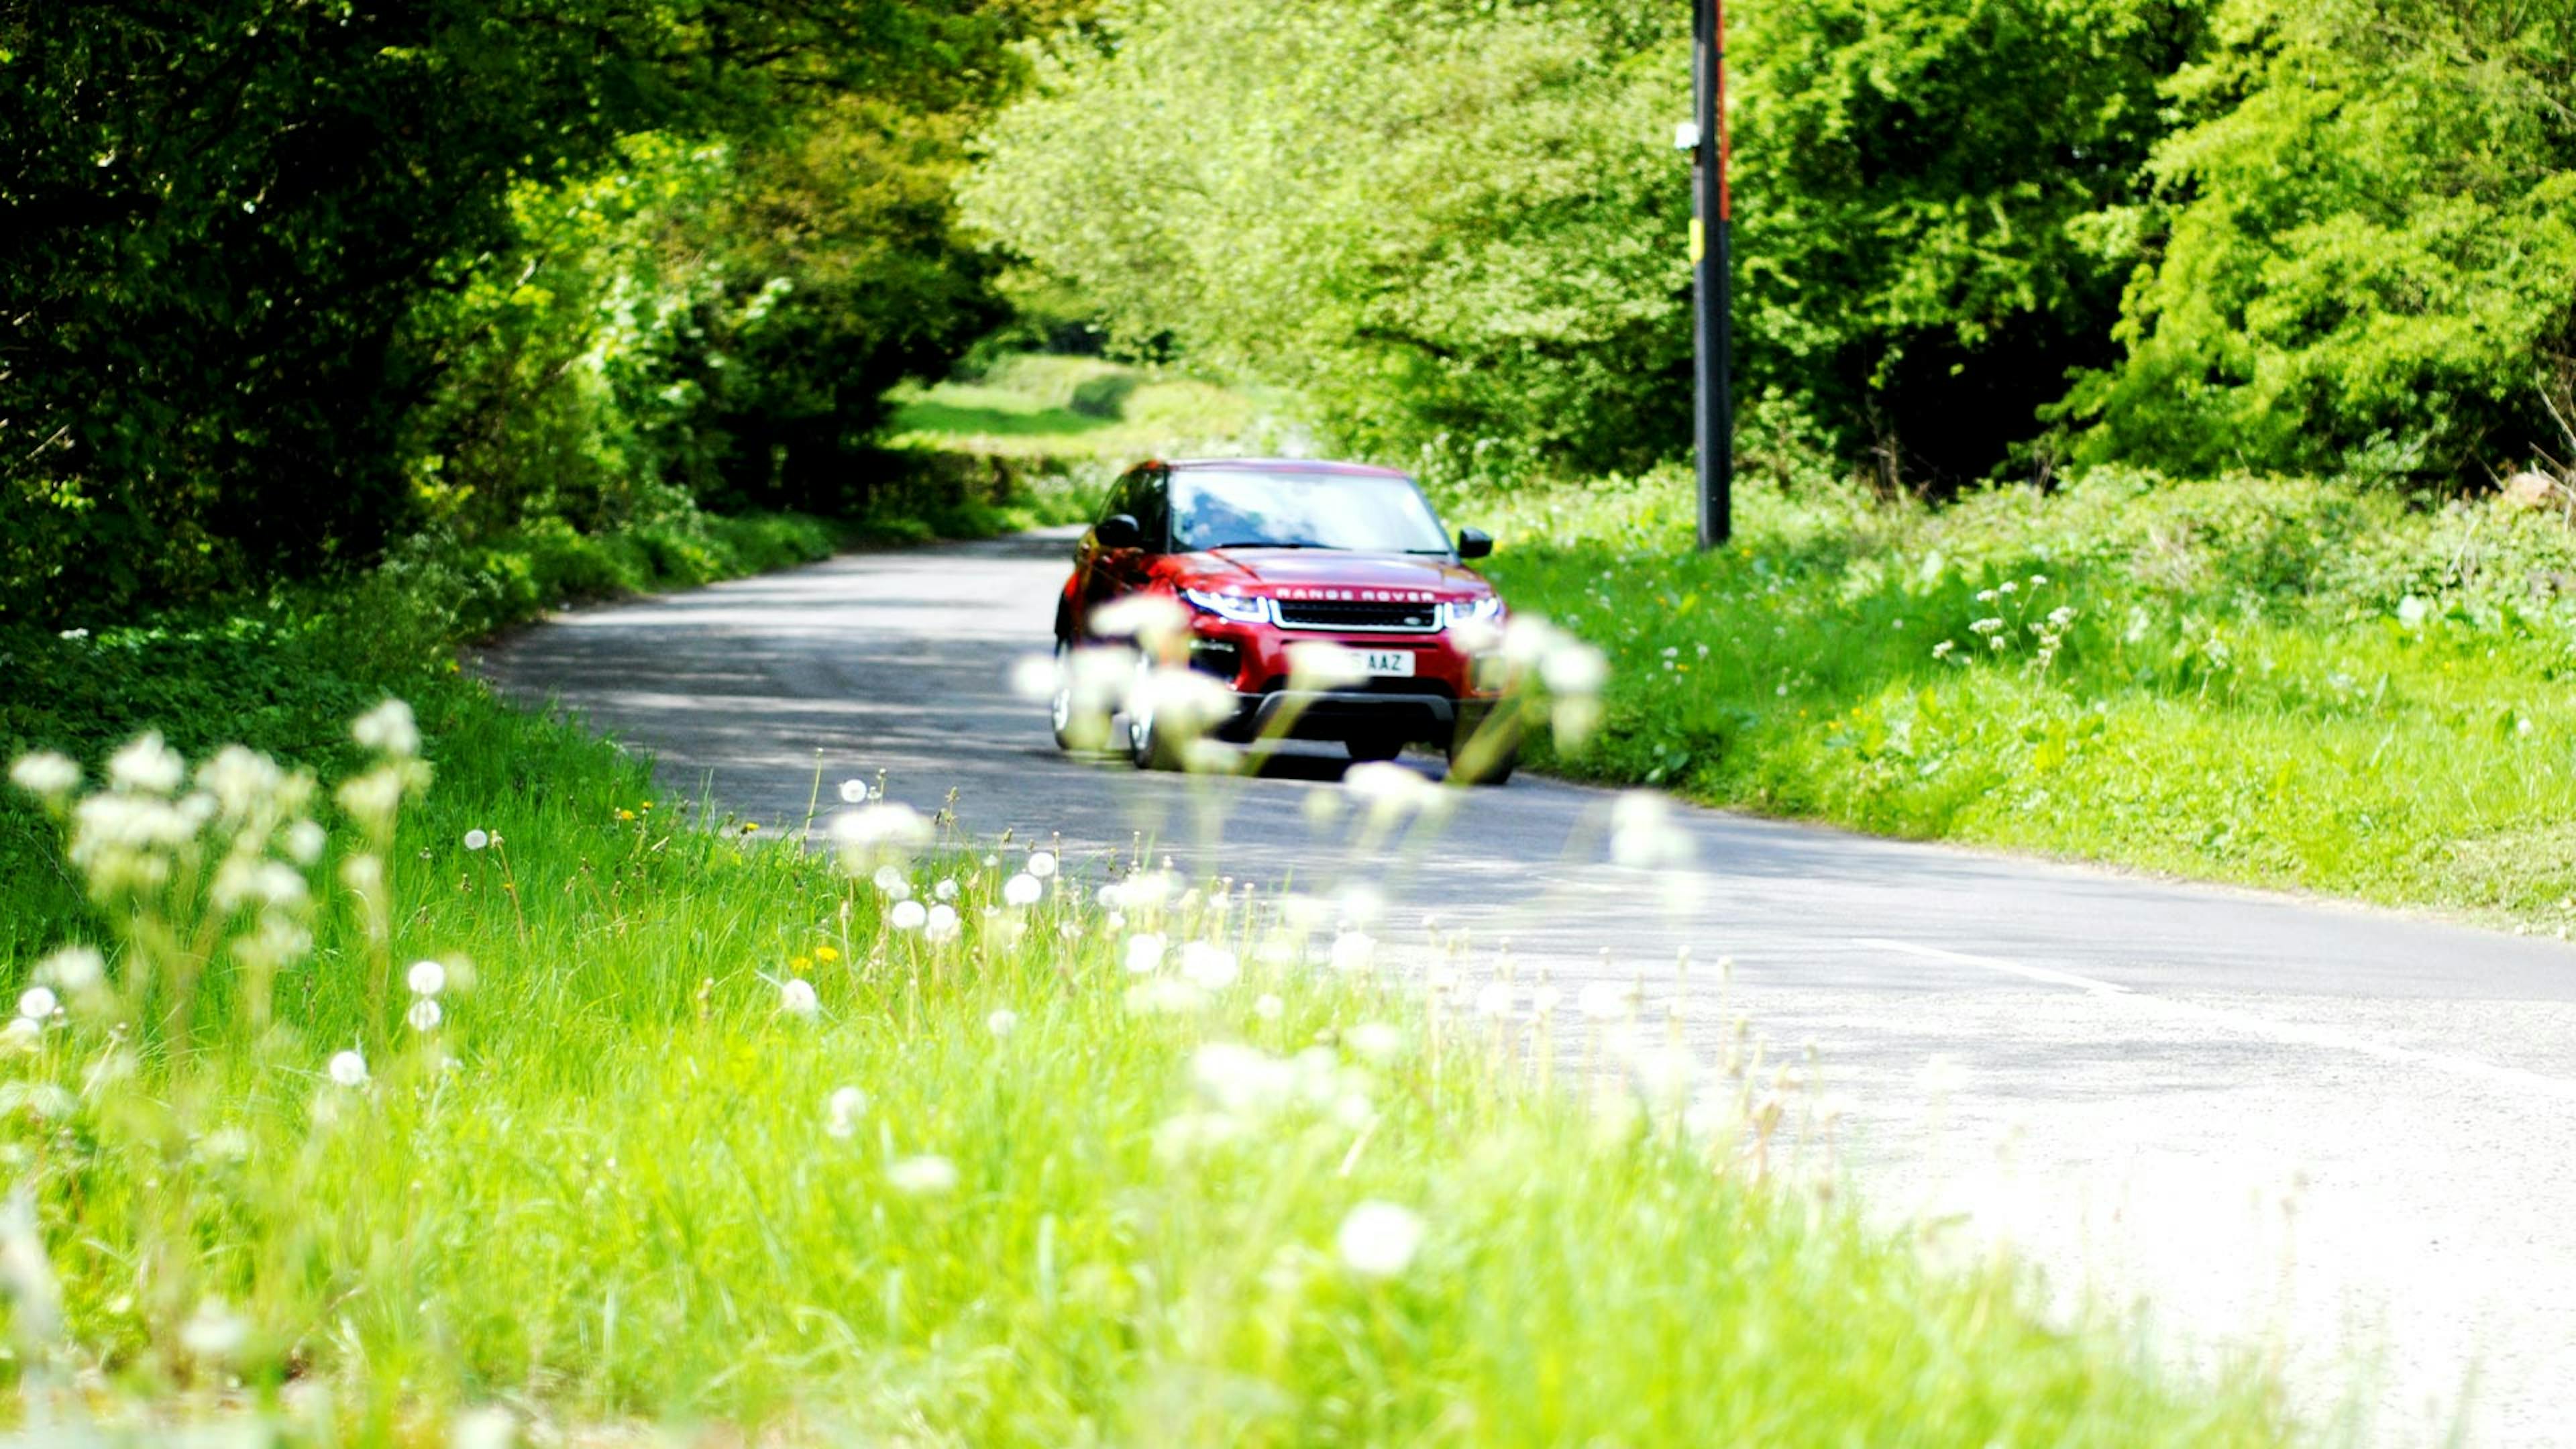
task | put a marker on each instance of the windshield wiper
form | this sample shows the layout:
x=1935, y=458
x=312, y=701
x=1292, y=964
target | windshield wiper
x=1260, y=543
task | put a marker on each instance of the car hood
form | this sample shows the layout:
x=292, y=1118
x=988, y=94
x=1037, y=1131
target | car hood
x=1292, y=572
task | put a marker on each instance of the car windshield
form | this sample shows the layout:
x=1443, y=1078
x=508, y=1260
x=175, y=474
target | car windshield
x=1362, y=512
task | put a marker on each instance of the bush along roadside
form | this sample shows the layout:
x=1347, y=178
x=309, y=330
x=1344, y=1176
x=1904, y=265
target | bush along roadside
x=458, y=1090
x=2285, y=683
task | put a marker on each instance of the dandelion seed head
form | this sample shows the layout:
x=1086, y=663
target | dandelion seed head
x=1144, y=953
x=425, y=1014
x=924, y=1176
x=37, y=1002
x=426, y=978
x=73, y=968
x=348, y=1069
x=1003, y=1022
x=842, y=1109
x=1353, y=952
x=854, y=792
x=1376, y=1042
x=940, y=924
x=389, y=730
x=796, y=997
x=1378, y=1239
x=1208, y=966
x=46, y=775
x=1269, y=1007
x=477, y=839
x=146, y=766
x=1021, y=890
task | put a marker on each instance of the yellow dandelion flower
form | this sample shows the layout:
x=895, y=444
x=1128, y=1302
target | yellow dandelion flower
x=625, y=814
x=826, y=954
x=800, y=962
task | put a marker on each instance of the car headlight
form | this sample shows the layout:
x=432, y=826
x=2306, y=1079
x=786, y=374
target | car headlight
x=1241, y=608
x=1487, y=611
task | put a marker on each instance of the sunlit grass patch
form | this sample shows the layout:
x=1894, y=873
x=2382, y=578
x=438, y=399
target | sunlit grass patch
x=1079, y=408
x=915, y=1139
x=2291, y=684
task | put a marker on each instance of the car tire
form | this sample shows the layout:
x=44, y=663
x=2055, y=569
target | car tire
x=1060, y=708
x=1148, y=745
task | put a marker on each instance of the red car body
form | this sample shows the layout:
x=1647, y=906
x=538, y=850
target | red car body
x=1422, y=620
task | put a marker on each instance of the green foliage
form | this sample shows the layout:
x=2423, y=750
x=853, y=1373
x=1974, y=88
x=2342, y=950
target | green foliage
x=2284, y=682
x=1484, y=265
x=284, y=284
x=1919, y=187
x=2397, y=295
x=1455, y=231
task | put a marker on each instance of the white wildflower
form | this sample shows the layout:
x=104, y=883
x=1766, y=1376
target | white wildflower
x=477, y=839
x=147, y=766
x=946, y=890
x=426, y=978
x=854, y=792
x=842, y=1111
x=1353, y=952
x=1144, y=953
x=37, y=1002
x=1601, y=1001
x=891, y=882
x=1211, y=967
x=425, y=1014
x=1021, y=890
x=73, y=968
x=348, y=1069
x=940, y=924
x=908, y=915
x=923, y=1176
x=304, y=842
x=1268, y=1007
x=1041, y=863
x=1002, y=1023
x=388, y=729
x=1376, y=1042
x=45, y=774
x=796, y=997
x=213, y=1331
x=1379, y=1239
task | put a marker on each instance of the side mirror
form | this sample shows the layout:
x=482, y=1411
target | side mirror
x=1119, y=530
x=1474, y=543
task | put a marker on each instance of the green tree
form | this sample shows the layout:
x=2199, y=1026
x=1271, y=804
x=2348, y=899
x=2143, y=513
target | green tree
x=2363, y=250
x=228, y=229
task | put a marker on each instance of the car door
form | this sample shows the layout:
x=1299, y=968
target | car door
x=1101, y=573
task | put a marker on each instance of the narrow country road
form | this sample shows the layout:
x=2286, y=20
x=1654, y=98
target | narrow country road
x=2344, y=1138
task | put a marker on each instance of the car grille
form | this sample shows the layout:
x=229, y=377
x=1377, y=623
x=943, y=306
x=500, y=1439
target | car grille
x=1341, y=614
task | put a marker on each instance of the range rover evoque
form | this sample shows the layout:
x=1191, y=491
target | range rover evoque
x=1264, y=558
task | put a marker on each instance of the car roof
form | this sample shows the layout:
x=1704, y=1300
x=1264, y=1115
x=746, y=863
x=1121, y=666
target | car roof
x=1289, y=465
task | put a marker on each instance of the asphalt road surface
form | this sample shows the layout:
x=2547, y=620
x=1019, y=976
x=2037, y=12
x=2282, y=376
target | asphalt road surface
x=2342, y=1140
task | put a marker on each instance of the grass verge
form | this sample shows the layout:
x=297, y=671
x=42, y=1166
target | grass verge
x=709, y=1133
x=2283, y=683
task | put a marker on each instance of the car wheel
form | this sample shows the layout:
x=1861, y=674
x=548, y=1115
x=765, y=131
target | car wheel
x=1149, y=746
x=1374, y=749
x=1060, y=708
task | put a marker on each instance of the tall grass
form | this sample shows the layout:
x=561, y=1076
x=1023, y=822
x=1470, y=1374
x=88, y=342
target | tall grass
x=708, y=1131
x=2288, y=683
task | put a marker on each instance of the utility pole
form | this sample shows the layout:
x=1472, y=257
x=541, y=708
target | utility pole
x=1713, y=404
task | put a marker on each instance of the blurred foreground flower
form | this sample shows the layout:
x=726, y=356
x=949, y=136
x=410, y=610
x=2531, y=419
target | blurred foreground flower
x=923, y=1176
x=1379, y=1239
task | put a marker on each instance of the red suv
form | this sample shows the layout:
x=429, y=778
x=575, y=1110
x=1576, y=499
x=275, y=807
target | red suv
x=1260, y=559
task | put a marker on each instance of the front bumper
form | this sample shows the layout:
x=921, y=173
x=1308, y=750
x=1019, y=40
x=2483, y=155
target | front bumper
x=1353, y=714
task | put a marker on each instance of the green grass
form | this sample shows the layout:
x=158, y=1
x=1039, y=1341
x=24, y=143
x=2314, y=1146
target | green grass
x=2297, y=684
x=1080, y=408
x=605, y=1190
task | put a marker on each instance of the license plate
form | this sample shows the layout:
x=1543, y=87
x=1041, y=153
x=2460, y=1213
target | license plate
x=1388, y=662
